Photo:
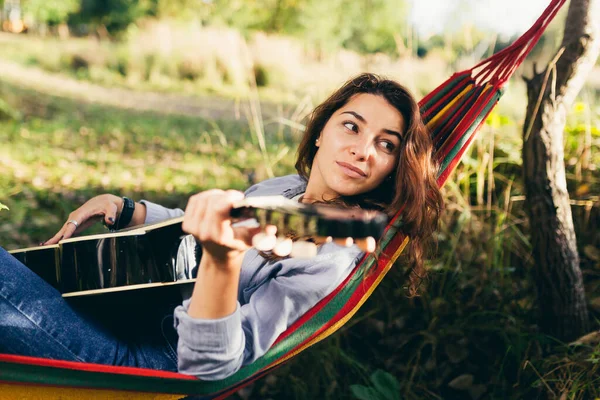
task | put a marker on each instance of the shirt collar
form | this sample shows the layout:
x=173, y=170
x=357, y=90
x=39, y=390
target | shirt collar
x=295, y=190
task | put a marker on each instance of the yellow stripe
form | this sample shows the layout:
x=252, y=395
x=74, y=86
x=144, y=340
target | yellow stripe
x=432, y=122
x=20, y=391
x=442, y=146
x=351, y=313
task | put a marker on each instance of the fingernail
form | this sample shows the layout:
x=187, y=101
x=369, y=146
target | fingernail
x=41, y=243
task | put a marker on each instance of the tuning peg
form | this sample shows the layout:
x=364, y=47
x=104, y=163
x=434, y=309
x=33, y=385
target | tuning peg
x=283, y=246
x=367, y=244
x=301, y=249
x=264, y=241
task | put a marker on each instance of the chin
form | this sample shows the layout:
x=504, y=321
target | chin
x=350, y=190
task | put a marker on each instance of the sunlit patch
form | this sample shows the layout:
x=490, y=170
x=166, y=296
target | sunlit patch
x=579, y=107
x=39, y=182
x=105, y=180
x=67, y=179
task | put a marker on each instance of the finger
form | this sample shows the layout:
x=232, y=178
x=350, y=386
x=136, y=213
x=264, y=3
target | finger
x=222, y=202
x=69, y=230
x=235, y=196
x=110, y=214
x=246, y=234
x=54, y=239
x=218, y=219
x=367, y=244
x=346, y=242
x=193, y=215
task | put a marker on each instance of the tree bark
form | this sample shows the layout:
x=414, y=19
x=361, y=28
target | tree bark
x=551, y=93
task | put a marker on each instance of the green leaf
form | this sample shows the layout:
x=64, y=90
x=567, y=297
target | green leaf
x=386, y=384
x=3, y=207
x=365, y=393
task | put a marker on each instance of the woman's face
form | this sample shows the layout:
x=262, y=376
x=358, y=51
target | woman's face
x=357, y=149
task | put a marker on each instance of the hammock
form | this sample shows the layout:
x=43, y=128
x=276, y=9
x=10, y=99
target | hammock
x=453, y=112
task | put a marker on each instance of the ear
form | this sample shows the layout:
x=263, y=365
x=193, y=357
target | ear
x=318, y=142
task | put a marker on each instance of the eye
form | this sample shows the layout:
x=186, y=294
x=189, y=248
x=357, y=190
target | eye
x=350, y=126
x=388, y=146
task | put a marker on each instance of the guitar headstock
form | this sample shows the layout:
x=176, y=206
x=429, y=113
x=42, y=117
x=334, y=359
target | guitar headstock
x=343, y=225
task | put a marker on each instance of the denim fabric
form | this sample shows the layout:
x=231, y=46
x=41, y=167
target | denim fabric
x=36, y=321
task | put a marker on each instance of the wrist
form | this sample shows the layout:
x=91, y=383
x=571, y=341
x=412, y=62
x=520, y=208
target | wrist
x=139, y=214
x=215, y=291
x=230, y=261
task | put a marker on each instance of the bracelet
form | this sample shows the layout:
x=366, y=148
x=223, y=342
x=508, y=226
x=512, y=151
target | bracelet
x=126, y=213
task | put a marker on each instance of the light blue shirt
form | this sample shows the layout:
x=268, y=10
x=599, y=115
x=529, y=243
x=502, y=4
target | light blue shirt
x=271, y=296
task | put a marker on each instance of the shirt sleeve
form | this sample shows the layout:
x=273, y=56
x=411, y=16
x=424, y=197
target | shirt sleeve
x=216, y=349
x=157, y=213
x=275, y=186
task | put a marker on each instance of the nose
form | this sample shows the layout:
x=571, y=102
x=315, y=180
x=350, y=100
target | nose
x=362, y=150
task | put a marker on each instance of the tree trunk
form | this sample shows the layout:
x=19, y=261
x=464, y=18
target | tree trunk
x=561, y=296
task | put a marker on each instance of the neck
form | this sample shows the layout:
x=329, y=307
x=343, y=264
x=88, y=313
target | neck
x=315, y=192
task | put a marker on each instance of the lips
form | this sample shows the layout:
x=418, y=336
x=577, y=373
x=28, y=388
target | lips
x=351, y=171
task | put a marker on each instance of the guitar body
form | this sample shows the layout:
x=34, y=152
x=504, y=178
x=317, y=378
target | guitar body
x=111, y=262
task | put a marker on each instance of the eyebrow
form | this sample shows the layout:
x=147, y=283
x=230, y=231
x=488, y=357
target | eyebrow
x=363, y=120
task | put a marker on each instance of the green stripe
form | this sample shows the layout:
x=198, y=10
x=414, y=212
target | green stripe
x=36, y=374
x=470, y=98
x=462, y=80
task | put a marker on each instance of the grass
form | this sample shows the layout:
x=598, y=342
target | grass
x=63, y=152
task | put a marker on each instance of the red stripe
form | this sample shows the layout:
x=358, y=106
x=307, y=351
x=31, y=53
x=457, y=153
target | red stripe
x=456, y=112
x=518, y=50
x=361, y=290
x=446, y=173
x=90, y=367
x=464, y=124
x=451, y=93
x=319, y=306
x=434, y=93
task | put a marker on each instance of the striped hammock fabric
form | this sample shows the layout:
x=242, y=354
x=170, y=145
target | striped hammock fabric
x=453, y=112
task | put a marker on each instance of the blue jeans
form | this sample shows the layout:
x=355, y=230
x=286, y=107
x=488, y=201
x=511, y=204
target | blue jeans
x=36, y=321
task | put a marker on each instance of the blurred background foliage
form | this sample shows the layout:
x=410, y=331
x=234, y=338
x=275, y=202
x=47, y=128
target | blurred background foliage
x=159, y=99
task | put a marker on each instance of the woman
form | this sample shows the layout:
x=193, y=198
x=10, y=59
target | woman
x=365, y=146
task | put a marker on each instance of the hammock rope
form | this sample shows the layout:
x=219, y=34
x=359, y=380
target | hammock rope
x=453, y=112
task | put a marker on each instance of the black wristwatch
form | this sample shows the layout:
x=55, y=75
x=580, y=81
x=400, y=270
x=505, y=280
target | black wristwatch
x=126, y=213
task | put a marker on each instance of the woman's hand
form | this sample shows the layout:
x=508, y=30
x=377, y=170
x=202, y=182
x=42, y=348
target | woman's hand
x=100, y=208
x=207, y=219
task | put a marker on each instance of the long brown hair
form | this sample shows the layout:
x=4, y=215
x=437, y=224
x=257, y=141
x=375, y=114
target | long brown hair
x=412, y=189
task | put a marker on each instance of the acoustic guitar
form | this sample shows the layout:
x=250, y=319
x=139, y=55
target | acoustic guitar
x=162, y=254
